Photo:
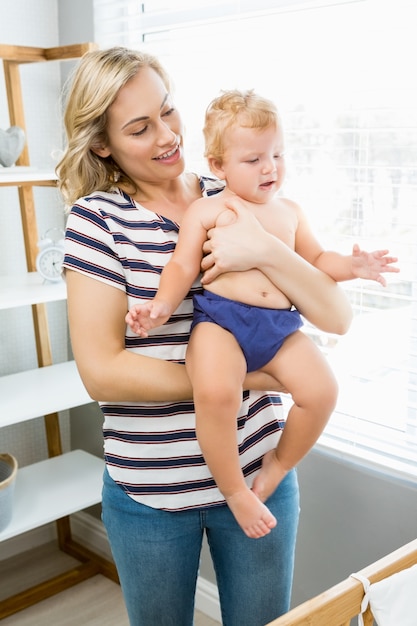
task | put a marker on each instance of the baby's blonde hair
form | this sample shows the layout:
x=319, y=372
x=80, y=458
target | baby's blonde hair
x=231, y=108
x=94, y=86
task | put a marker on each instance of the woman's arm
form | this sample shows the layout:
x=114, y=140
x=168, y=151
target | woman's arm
x=245, y=244
x=111, y=373
x=317, y=296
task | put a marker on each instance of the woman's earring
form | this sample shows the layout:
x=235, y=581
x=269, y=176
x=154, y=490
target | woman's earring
x=116, y=176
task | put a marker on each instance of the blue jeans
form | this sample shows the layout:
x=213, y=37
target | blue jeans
x=157, y=555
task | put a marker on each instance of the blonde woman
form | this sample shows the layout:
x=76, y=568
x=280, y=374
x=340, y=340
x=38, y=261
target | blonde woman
x=123, y=176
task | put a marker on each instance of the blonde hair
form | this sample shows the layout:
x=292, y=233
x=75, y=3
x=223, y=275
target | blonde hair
x=94, y=86
x=231, y=108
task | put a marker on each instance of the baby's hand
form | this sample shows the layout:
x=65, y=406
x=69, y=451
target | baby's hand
x=370, y=265
x=142, y=317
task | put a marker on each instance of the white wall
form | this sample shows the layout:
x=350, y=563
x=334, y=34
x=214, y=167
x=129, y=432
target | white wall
x=30, y=23
x=350, y=517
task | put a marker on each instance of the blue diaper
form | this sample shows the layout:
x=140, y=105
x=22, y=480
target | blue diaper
x=260, y=332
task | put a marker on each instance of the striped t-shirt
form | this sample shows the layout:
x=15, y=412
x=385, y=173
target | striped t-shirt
x=151, y=449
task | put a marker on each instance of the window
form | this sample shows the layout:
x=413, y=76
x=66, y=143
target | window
x=342, y=76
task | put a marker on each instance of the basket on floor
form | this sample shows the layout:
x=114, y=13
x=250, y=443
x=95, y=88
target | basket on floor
x=8, y=472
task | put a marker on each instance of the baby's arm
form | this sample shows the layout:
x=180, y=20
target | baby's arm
x=177, y=276
x=370, y=265
x=142, y=317
x=359, y=264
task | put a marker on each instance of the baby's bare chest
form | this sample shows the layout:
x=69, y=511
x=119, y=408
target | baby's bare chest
x=281, y=223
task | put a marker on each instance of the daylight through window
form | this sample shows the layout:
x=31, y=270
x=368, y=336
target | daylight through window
x=342, y=75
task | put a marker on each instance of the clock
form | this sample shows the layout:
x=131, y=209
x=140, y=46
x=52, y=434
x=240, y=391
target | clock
x=51, y=256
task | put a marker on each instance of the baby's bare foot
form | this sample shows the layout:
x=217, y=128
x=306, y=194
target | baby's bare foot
x=255, y=519
x=269, y=477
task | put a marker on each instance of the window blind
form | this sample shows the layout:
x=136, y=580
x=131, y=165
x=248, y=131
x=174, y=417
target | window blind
x=341, y=75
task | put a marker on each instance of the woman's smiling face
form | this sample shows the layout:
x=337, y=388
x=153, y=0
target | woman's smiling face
x=144, y=130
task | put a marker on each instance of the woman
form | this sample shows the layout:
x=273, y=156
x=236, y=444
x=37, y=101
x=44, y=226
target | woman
x=123, y=172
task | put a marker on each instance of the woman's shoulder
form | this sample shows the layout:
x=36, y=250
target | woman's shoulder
x=103, y=203
x=114, y=197
x=210, y=186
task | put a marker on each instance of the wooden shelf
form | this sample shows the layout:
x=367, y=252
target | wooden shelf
x=49, y=490
x=32, y=54
x=29, y=288
x=41, y=391
x=53, y=489
x=19, y=175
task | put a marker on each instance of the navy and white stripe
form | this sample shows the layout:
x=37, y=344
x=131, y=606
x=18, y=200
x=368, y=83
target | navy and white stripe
x=151, y=448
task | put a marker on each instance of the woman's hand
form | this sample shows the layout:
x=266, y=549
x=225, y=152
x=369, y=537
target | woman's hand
x=234, y=245
x=243, y=244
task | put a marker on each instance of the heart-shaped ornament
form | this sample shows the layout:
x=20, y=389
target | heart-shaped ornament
x=12, y=142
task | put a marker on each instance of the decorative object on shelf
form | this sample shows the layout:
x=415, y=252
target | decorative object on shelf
x=51, y=256
x=8, y=471
x=12, y=142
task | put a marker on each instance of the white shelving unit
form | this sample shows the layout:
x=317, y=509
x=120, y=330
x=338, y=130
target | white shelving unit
x=62, y=484
x=19, y=174
x=47, y=390
x=28, y=289
x=54, y=488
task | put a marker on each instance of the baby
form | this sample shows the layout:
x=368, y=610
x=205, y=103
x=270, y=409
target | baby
x=242, y=322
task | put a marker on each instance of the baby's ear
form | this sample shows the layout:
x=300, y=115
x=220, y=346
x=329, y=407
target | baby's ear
x=216, y=167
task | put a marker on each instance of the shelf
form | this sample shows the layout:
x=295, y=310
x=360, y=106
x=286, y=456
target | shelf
x=51, y=489
x=29, y=288
x=57, y=487
x=26, y=175
x=40, y=391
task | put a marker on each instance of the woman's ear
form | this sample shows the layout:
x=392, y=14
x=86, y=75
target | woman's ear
x=101, y=151
x=216, y=167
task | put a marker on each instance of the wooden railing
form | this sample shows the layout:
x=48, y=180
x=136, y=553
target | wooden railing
x=339, y=604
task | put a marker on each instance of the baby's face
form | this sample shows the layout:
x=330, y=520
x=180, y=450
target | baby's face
x=253, y=163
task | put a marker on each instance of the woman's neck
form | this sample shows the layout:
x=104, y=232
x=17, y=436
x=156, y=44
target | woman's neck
x=170, y=199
